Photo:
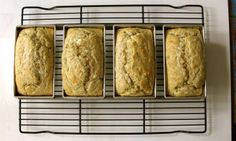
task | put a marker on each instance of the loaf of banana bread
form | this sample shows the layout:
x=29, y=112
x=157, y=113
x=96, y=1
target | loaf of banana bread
x=82, y=61
x=185, y=61
x=134, y=62
x=34, y=52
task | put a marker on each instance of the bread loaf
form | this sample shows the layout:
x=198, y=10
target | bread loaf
x=185, y=62
x=82, y=62
x=34, y=61
x=134, y=62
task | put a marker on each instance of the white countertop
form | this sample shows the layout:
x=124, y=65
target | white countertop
x=218, y=73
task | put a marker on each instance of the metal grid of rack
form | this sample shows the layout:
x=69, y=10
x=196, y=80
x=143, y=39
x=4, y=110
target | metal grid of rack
x=112, y=116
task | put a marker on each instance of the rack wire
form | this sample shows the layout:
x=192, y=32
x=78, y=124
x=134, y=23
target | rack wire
x=112, y=116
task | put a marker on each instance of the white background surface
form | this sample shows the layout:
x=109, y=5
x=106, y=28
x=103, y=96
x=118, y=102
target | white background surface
x=218, y=72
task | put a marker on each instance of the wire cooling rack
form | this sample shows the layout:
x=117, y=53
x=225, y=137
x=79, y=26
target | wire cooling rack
x=112, y=116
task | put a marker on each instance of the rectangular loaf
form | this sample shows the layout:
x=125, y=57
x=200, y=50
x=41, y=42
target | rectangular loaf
x=34, y=52
x=185, y=61
x=134, y=62
x=82, y=61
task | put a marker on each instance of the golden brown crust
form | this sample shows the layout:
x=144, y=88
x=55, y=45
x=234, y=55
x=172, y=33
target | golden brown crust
x=34, y=61
x=185, y=62
x=82, y=62
x=134, y=64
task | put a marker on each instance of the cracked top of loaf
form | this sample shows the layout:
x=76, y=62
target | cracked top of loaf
x=34, y=61
x=134, y=62
x=185, y=69
x=82, y=62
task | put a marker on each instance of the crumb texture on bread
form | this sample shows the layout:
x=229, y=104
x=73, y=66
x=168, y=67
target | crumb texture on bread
x=134, y=62
x=82, y=62
x=185, y=62
x=34, y=61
